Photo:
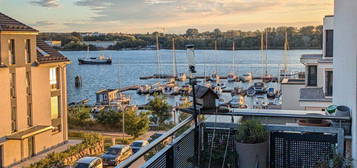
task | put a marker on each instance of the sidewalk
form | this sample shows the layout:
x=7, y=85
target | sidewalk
x=57, y=149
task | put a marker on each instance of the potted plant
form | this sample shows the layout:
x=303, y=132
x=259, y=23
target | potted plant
x=252, y=144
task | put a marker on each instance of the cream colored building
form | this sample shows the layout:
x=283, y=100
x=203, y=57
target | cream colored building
x=316, y=92
x=33, y=111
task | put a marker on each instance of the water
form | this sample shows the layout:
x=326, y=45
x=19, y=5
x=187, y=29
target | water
x=129, y=66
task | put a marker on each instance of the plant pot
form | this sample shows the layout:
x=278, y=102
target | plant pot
x=342, y=111
x=314, y=123
x=252, y=155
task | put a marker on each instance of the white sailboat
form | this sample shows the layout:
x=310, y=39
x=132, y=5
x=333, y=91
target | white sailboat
x=214, y=77
x=285, y=71
x=266, y=77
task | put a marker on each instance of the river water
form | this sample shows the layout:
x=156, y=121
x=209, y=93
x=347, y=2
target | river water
x=129, y=66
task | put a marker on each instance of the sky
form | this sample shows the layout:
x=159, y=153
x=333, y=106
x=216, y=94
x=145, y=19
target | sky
x=168, y=16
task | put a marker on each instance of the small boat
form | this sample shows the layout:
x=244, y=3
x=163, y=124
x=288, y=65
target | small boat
x=185, y=89
x=236, y=91
x=247, y=77
x=267, y=78
x=144, y=89
x=182, y=77
x=170, y=90
x=156, y=88
x=251, y=92
x=221, y=102
x=95, y=60
x=231, y=77
x=237, y=102
x=214, y=78
x=271, y=93
x=259, y=87
x=217, y=90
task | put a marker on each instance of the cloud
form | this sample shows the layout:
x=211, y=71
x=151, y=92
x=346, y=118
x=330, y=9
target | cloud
x=46, y=3
x=43, y=23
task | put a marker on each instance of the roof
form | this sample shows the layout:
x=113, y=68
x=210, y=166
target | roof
x=9, y=24
x=87, y=159
x=313, y=94
x=293, y=81
x=118, y=146
x=201, y=91
x=46, y=54
x=106, y=91
x=311, y=56
x=29, y=132
x=326, y=60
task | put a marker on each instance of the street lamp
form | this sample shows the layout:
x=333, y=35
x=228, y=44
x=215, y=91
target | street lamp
x=190, y=53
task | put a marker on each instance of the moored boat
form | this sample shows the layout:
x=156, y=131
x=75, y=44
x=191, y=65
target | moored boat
x=247, y=77
x=95, y=60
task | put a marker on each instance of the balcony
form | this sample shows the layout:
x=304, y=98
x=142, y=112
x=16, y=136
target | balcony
x=290, y=145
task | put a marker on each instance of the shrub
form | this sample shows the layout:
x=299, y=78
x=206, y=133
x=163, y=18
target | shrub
x=251, y=132
x=56, y=160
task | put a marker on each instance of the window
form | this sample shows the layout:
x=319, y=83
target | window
x=29, y=114
x=54, y=107
x=13, y=119
x=329, y=43
x=13, y=85
x=28, y=50
x=12, y=56
x=53, y=78
x=312, y=75
x=329, y=83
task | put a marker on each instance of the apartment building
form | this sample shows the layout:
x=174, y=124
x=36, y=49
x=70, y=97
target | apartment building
x=33, y=98
x=315, y=93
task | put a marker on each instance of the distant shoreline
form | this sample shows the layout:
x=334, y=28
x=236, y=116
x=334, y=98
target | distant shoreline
x=134, y=49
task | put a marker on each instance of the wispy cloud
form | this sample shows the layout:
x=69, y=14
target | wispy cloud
x=46, y=3
x=42, y=23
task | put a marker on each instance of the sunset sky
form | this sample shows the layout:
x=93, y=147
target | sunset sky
x=141, y=16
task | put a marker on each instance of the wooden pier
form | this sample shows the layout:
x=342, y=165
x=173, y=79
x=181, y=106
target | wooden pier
x=134, y=87
x=197, y=77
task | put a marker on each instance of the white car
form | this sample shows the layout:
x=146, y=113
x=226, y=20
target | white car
x=89, y=162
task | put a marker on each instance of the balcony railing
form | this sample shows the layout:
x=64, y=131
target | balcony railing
x=290, y=145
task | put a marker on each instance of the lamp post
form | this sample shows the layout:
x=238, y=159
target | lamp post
x=190, y=53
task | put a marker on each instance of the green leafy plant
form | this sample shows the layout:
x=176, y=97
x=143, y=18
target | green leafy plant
x=335, y=161
x=251, y=132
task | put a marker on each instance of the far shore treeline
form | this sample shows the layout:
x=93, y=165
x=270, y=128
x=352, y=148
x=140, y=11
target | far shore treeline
x=307, y=37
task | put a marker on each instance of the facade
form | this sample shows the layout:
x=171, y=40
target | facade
x=317, y=91
x=291, y=93
x=33, y=94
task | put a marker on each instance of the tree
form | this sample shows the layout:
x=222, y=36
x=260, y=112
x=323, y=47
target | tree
x=192, y=32
x=159, y=109
x=109, y=117
x=136, y=124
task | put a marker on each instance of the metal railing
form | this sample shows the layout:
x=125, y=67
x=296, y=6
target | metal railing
x=130, y=161
x=318, y=140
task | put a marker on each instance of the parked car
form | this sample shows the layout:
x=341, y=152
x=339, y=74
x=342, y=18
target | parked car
x=116, y=154
x=89, y=162
x=157, y=135
x=138, y=144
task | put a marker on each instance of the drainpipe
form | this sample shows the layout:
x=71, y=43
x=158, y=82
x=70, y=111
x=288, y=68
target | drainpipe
x=345, y=63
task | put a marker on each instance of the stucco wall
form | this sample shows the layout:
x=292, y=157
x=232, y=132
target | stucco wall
x=5, y=114
x=291, y=96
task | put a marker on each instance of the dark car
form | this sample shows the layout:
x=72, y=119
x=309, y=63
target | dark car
x=116, y=154
x=137, y=145
x=89, y=162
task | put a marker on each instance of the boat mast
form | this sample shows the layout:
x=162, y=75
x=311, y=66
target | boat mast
x=215, y=54
x=234, y=65
x=87, y=51
x=174, y=58
x=266, y=52
x=158, y=55
x=262, y=50
x=286, y=59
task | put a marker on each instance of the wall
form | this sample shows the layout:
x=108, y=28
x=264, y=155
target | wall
x=5, y=114
x=345, y=62
x=291, y=96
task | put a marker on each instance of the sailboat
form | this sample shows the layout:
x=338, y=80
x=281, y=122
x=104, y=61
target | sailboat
x=171, y=88
x=231, y=77
x=214, y=77
x=285, y=72
x=267, y=77
x=94, y=60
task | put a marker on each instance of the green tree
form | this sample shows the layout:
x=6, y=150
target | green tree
x=109, y=117
x=136, y=124
x=159, y=109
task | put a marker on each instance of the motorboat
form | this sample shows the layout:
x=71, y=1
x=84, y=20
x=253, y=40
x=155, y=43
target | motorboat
x=170, y=90
x=182, y=77
x=215, y=77
x=237, y=91
x=231, y=77
x=251, y=92
x=237, y=102
x=144, y=89
x=247, y=77
x=267, y=78
x=221, y=102
x=271, y=93
x=259, y=87
x=95, y=60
